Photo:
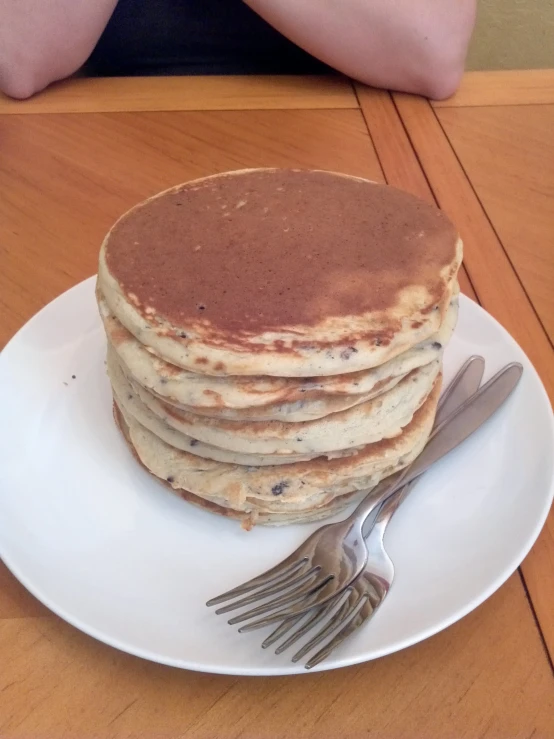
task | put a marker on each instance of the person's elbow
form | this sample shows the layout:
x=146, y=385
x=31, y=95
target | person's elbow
x=443, y=50
x=429, y=62
x=18, y=82
x=440, y=77
x=23, y=75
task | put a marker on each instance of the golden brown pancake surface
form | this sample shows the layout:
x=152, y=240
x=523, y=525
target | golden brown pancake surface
x=267, y=249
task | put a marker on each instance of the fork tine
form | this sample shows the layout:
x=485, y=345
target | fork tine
x=319, y=614
x=289, y=598
x=280, y=570
x=279, y=587
x=365, y=612
x=344, y=612
x=288, y=624
x=368, y=602
x=305, y=603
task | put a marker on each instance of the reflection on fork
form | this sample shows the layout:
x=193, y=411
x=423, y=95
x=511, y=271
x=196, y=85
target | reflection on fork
x=343, y=615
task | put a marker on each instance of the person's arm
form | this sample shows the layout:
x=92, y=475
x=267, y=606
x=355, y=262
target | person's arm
x=415, y=46
x=46, y=40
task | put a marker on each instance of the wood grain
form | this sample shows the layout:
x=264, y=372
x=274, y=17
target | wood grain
x=503, y=87
x=119, y=94
x=501, y=293
x=508, y=154
x=486, y=676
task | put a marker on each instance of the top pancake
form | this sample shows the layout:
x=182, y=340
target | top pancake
x=282, y=272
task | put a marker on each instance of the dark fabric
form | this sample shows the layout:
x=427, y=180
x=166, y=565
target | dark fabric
x=146, y=37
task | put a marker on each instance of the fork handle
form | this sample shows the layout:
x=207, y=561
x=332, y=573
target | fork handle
x=465, y=384
x=461, y=423
x=390, y=506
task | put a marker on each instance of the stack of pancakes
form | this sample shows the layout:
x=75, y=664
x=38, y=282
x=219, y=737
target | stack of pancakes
x=275, y=337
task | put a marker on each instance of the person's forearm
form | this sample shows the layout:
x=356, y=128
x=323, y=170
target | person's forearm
x=411, y=45
x=45, y=40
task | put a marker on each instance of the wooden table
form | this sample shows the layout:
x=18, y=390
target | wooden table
x=77, y=156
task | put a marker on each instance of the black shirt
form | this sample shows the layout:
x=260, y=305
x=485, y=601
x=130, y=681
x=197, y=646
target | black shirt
x=145, y=37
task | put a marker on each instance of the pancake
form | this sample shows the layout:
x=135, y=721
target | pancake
x=275, y=337
x=250, y=518
x=131, y=405
x=285, y=273
x=266, y=398
x=297, y=488
x=382, y=417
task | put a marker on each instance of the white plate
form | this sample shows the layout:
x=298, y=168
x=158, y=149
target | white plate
x=111, y=551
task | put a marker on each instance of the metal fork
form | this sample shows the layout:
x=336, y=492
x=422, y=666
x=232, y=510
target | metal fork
x=347, y=611
x=336, y=554
x=465, y=383
x=353, y=607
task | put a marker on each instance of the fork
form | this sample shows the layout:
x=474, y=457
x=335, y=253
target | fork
x=363, y=597
x=367, y=593
x=460, y=389
x=336, y=554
